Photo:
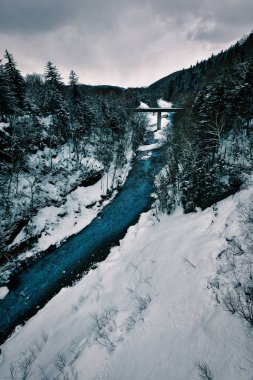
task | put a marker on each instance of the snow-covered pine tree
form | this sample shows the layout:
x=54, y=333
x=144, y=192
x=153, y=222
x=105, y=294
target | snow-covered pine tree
x=54, y=102
x=75, y=99
x=7, y=104
x=34, y=93
x=73, y=84
x=52, y=76
x=16, y=82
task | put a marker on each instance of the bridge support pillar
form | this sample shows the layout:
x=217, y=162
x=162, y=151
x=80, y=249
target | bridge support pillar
x=159, y=120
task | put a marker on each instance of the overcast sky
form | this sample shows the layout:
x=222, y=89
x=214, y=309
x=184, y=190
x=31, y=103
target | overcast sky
x=119, y=42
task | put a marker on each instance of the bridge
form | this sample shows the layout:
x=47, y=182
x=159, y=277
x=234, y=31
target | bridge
x=158, y=111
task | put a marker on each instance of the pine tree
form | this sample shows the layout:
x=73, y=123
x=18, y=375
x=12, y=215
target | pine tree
x=76, y=105
x=34, y=93
x=7, y=103
x=16, y=82
x=54, y=103
x=52, y=76
x=73, y=83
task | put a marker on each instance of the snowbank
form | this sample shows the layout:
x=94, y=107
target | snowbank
x=3, y=292
x=68, y=214
x=146, y=312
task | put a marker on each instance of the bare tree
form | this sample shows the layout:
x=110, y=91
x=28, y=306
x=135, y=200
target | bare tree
x=103, y=325
x=204, y=371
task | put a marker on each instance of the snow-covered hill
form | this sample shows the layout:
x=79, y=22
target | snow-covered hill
x=152, y=310
x=146, y=312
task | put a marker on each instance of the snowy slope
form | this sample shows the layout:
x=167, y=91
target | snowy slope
x=65, y=215
x=145, y=312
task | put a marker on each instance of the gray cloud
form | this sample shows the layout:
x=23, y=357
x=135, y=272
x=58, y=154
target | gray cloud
x=130, y=42
x=37, y=16
x=224, y=21
x=28, y=16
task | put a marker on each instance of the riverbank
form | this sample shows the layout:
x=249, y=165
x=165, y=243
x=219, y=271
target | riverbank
x=54, y=224
x=34, y=286
x=147, y=311
x=153, y=309
x=67, y=201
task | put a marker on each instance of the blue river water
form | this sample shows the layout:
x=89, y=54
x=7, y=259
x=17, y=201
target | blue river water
x=31, y=289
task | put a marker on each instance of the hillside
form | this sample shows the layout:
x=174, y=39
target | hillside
x=209, y=153
x=64, y=152
x=153, y=309
x=192, y=79
x=101, y=89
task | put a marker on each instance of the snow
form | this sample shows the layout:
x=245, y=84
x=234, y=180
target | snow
x=58, y=223
x=3, y=292
x=144, y=148
x=71, y=213
x=151, y=299
x=143, y=105
x=146, y=312
x=160, y=136
x=3, y=126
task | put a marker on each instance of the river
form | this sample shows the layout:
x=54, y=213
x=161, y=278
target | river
x=31, y=289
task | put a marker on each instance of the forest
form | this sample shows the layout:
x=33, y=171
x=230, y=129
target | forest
x=210, y=144
x=59, y=136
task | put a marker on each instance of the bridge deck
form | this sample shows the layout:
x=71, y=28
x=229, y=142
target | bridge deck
x=156, y=109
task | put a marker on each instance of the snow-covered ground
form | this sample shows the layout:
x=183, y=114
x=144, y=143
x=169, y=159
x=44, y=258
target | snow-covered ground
x=67, y=214
x=160, y=136
x=80, y=207
x=3, y=292
x=83, y=204
x=146, y=312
